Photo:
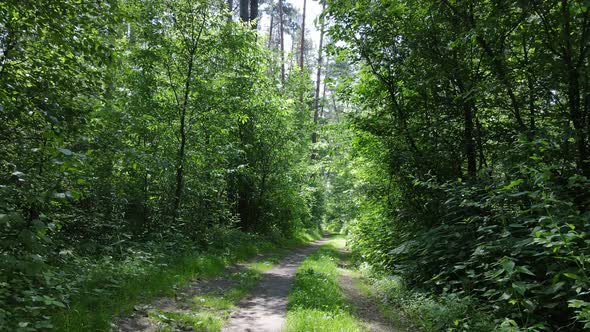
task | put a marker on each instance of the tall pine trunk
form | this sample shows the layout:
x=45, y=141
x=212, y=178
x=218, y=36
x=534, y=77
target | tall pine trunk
x=302, y=37
x=282, y=37
x=230, y=7
x=316, y=112
x=272, y=17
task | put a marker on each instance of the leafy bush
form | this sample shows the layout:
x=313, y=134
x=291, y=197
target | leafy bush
x=516, y=242
x=424, y=311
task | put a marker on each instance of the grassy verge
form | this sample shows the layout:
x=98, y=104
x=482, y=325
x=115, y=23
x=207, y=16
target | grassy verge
x=316, y=302
x=115, y=291
x=419, y=310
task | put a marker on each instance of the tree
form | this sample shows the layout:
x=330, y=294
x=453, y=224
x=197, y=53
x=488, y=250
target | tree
x=254, y=13
x=302, y=45
x=244, y=13
x=271, y=25
x=230, y=8
x=316, y=111
x=133, y=131
x=282, y=41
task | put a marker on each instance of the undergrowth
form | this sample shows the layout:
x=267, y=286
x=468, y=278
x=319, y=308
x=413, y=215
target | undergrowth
x=421, y=310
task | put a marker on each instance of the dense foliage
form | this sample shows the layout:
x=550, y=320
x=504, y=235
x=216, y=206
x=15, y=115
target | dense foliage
x=450, y=139
x=469, y=153
x=136, y=130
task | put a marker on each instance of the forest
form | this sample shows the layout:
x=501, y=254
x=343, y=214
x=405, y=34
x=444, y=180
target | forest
x=146, y=144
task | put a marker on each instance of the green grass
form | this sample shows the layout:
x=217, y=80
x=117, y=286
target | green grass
x=316, y=320
x=316, y=302
x=201, y=322
x=216, y=301
x=96, y=306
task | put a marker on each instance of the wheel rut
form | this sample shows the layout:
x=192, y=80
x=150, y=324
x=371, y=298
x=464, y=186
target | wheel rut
x=265, y=309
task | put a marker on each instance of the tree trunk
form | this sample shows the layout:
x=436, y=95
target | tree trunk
x=244, y=10
x=254, y=13
x=576, y=115
x=272, y=16
x=479, y=141
x=183, y=108
x=470, y=152
x=468, y=108
x=316, y=112
x=282, y=41
x=531, y=88
x=302, y=36
x=323, y=95
x=180, y=164
x=182, y=131
x=293, y=57
x=335, y=107
x=230, y=7
x=574, y=94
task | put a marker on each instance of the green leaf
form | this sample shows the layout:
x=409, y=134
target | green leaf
x=520, y=287
x=508, y=265
x=578, y=304
x=512, y=184
x=66, y=152
x=525, y=270
x=572, y=275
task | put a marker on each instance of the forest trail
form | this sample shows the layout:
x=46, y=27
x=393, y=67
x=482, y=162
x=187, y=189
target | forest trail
x=265, y=309
x=365, y=308
x=259, y=294
x=259, y=302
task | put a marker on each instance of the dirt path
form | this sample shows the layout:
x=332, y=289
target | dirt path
x=365, y=308
x=266, y=308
